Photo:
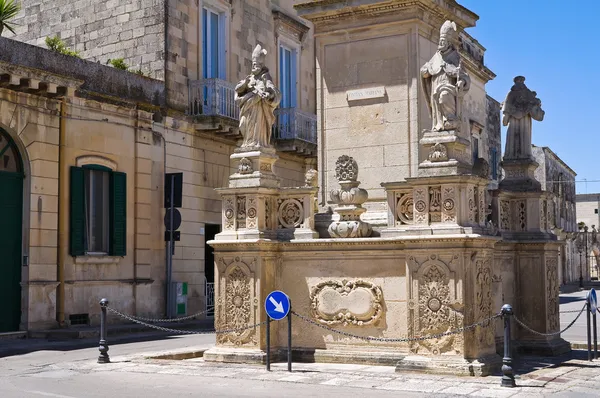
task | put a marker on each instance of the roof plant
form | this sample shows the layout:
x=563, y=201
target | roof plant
x=8, y=10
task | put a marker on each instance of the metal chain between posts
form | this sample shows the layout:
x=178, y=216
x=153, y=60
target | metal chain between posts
x=132, y=319
x=569, y=311
x=166, y=320
x=403, y=339
x=550, y=334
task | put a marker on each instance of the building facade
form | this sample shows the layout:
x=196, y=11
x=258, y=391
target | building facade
x=558, y=180
x=99, y=142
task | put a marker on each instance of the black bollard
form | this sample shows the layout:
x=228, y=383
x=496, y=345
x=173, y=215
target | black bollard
x=103, y=358
x=289, y=347
x=508, y=377
x=595, y=336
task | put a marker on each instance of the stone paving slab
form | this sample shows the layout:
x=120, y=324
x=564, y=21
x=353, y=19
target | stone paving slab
x=569, y=376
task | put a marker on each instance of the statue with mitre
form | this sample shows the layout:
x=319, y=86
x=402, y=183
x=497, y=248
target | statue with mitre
x=257, y=97
x=445, y=82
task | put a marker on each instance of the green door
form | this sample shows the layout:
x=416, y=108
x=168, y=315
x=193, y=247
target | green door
x=11, y=214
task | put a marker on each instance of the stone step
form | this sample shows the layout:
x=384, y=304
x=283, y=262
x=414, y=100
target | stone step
x=13, y=335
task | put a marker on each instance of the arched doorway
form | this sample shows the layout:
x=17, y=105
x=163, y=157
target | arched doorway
x=11, y=224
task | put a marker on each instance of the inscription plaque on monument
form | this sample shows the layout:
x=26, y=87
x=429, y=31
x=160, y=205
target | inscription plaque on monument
x=365, y=93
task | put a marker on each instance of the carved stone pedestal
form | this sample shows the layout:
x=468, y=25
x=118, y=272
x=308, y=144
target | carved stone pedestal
x=437, y=206
x=447, y=154
x=452, y=365
x=255, y=168
x=519, y=175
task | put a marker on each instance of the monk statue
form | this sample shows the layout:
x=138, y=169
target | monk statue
x=257, y=97
x=519, y=108
x=445, y=82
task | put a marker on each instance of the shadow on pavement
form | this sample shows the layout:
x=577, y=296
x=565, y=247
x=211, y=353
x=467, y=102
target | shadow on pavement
x=10, y=348
x=569, y=299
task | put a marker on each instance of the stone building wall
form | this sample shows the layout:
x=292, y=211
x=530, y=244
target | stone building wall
x=100, y=30
x=135, y=30
x=493, y=127
x=587, y=206
x=108, y=122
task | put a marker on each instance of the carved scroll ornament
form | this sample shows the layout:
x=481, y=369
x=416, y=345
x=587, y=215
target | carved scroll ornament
x=347, y=302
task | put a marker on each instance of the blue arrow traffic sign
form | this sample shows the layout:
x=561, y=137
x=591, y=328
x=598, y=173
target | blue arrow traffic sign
x=277, y=305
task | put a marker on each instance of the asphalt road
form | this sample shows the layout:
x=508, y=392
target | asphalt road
x=574, y=301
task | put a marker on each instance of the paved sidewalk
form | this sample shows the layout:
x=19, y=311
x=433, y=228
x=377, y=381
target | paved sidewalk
x=539, y=377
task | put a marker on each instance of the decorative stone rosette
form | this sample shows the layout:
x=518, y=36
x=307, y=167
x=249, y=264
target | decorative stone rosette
x=349, y=199
x=345, y=302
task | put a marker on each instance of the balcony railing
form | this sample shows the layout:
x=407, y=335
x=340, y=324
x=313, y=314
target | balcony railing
x=293, y=124
x=213, y=97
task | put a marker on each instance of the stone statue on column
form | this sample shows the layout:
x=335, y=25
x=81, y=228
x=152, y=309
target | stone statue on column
x=257, y=97
x=445, y=82
x=520, y=108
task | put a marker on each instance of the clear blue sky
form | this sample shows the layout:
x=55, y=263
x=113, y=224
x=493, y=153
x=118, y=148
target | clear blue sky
x=555, y=45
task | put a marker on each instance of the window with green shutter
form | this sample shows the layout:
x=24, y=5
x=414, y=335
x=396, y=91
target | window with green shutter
x=98, y=211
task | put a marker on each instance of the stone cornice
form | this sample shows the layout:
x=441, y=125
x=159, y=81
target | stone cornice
x=285, y=24
x=481, y=71
x=325, y=10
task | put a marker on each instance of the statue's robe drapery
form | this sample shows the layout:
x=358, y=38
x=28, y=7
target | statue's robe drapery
x=256, y=113
x=440, y=87
x=519, y=108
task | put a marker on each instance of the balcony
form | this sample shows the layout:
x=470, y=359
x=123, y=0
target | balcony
x=295, y=131
x=212, y=104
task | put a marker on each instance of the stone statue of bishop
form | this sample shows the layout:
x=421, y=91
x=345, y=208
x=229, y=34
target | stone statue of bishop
x=445, y=82
x=519, y=108
x=257, y=97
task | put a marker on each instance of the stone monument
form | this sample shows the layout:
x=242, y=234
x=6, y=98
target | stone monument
x=349, y=199
x=258, y=97
x=445, y=82
x=520, y=107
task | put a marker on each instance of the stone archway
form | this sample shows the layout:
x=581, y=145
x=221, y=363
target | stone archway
x=11, y=232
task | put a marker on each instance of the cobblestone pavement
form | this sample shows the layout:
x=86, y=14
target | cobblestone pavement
x=574, y=377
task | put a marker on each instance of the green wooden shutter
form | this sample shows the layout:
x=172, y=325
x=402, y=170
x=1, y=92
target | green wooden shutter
x=77, y=216
x=118, y=214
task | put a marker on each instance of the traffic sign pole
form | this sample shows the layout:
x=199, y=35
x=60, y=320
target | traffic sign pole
x=289, y=317
x=589, y=332
x=595, y=336
x=268, y=343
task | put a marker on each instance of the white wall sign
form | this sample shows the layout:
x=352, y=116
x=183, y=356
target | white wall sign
x=365, y=93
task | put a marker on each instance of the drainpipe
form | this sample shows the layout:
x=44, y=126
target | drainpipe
x=63, y=208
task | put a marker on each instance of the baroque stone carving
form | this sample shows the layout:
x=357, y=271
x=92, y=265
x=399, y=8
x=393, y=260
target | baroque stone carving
x=435, y=204
x=241, y=211
x=449, y=204
x=520, y=107
x=346, y=302
x=434, y=310
x=438, y=153
x=349, y=199
x=483, y=300
x=251, y=213
x=445, y=82
x=504, y=215
x=521, y=215
x=257, y=97
x=481, y=168
x=310, y=178
x=552, y=294
x=420, y=212
x=228, y=213
x=404, y=208
x=236, y=301
x=245, y=166
x=290, y=213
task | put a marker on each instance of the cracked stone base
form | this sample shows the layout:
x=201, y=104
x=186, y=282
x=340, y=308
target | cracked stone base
x=452, y=365
x=550, y=348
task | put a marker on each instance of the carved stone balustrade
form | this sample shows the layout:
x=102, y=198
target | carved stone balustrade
x=451, y=204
